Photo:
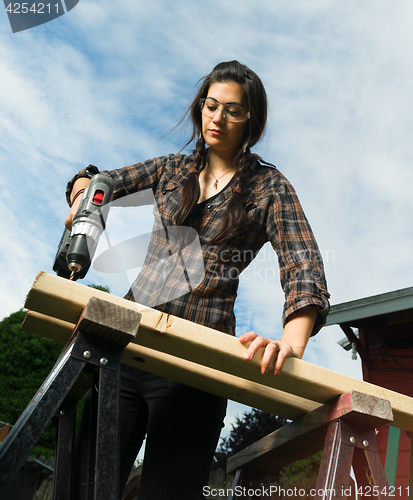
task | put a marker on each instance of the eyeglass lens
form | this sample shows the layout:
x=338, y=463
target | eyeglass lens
x=232, y=112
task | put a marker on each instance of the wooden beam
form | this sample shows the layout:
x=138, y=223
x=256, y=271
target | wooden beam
x=109, y=321
x=305, y=435
x=182, y=339
x=4, y=430
x=207, y=379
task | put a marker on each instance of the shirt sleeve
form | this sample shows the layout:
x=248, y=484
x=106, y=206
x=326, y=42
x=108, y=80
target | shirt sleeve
x=87, y=173
x=128, y=180
x=301, y=267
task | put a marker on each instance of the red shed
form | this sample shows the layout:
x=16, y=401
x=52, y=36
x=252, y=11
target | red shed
x=383, y=338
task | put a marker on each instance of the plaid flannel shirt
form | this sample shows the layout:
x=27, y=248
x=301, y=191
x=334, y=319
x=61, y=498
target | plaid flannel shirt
x=274, y=214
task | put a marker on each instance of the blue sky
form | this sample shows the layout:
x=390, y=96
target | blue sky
x=106, y=82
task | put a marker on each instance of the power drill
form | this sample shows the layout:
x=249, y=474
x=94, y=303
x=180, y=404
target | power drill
x=77, y=247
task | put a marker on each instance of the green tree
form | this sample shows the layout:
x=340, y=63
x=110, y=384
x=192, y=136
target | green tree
x=25, y=361
x=306, y=468
x=251, y=427
x=100, y=287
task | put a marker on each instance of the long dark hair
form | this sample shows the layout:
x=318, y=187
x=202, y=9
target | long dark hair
x=244, y=160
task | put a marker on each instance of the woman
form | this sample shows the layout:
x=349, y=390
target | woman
x=236, y=202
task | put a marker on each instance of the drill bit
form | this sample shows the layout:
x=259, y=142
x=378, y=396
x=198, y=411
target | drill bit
x=72, y=275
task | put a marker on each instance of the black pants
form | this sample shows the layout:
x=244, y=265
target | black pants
x=182, y=427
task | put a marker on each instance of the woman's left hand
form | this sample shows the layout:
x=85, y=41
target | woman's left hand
x=276, y=351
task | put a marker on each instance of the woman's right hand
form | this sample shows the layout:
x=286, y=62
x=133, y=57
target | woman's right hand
x=75, y=197
x=71, y=214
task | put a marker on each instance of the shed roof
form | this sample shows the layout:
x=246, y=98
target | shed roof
x=355, y=311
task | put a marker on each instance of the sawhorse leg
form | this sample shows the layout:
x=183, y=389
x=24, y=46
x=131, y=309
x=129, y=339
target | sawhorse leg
x=34, y=420
x=350, y=439
x=64, y=450
x=98, y=344
x=348, y=444
x=103, y=449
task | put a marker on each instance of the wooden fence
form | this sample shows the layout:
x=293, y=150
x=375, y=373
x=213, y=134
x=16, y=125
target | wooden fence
x=45, y=490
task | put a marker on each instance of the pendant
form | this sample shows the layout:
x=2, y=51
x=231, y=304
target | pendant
x=216, y=184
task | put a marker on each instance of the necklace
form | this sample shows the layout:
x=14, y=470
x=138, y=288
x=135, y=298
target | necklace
x=217, y=179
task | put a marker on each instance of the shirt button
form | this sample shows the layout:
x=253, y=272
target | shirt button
x=209, y=207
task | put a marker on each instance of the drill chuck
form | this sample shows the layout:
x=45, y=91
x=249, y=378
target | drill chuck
x=78, y=255
x=84, y=239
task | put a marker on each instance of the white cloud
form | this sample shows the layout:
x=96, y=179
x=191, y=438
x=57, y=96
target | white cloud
x=104, y=83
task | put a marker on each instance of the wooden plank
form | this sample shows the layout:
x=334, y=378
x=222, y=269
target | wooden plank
x=4, y=430
x=305, y=435
x=65, y=300
x=109, y=321
x=207, y=379
x=47, y=327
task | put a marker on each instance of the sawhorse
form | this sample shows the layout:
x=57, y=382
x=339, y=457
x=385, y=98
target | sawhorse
x=345, y=428
x=93, y=355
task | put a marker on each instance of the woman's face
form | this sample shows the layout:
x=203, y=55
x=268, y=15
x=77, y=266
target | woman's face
x=219, y=133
